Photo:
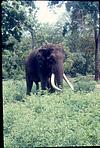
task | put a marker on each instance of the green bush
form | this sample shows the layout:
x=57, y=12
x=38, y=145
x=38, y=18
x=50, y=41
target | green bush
x=84, y=86
x=13, y=64
x=84, y=83
x=86, y=78
x=51, y=120
x=13, y=90
x=79, y=64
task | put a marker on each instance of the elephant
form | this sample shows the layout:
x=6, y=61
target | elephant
x=45, y=65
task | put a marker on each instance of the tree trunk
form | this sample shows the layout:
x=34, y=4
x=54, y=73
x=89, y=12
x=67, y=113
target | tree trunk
x=32, y=35
x=99, y=51
x=96, y=35
x=32, y=32
x=96, y=58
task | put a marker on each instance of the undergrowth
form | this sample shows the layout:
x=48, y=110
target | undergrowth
x=59, y=119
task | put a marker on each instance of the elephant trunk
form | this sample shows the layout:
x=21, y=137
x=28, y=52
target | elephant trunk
x=59, y=70
x=57, y=75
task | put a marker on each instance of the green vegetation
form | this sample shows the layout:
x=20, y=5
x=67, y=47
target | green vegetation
x=73, y=29
x=69, y=118
x=84, y=16
x=58, y=119
x=84, y=84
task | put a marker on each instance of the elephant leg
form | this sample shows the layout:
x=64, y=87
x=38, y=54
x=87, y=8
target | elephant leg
x=37, y=86
x=48, y=83
x=51, y=89
x=29, y=84
x=43, y=84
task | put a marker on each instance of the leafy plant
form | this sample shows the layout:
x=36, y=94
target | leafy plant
x=58, y=119
x=84, y=83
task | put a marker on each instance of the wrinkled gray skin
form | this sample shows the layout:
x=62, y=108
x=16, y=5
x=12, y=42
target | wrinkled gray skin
x=41, y=63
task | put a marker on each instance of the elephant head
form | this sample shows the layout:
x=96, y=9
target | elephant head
x=50, y=59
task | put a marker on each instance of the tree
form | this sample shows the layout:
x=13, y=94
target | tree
x=80, y=10
x=15, y=16
x=31, y=24
x=11, y=20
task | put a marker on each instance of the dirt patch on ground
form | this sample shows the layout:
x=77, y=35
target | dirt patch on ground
x=97, y=86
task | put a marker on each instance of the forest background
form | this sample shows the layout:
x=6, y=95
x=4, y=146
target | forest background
x=71, y=118
x=77, y=28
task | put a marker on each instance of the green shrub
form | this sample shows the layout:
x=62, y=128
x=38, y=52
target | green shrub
x=84, y=83
x=59, y=119
x=84, y=86
x=79, y=64
x=86, y=78
x=13, y=64
x=13, y=90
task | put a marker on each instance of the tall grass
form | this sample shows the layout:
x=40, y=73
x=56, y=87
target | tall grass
x=50, y=120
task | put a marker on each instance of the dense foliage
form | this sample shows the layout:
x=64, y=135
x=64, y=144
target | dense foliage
x=60, y=119
x=84, y=16
x=71, y=118
x=14, y=20
x=25, y=33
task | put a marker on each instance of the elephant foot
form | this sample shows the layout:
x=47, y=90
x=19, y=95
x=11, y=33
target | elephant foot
x=28, y=94
x=51, y=90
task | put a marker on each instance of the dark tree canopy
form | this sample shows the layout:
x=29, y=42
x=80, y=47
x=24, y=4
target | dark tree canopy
x=80, y=12
x=13, y=20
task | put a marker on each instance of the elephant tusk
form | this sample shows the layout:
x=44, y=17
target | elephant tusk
x=66, y=79
x=53, y=83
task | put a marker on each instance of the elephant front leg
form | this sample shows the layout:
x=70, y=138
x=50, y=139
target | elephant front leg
x=37, y=88
x=29, y=84
x=43, y=84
